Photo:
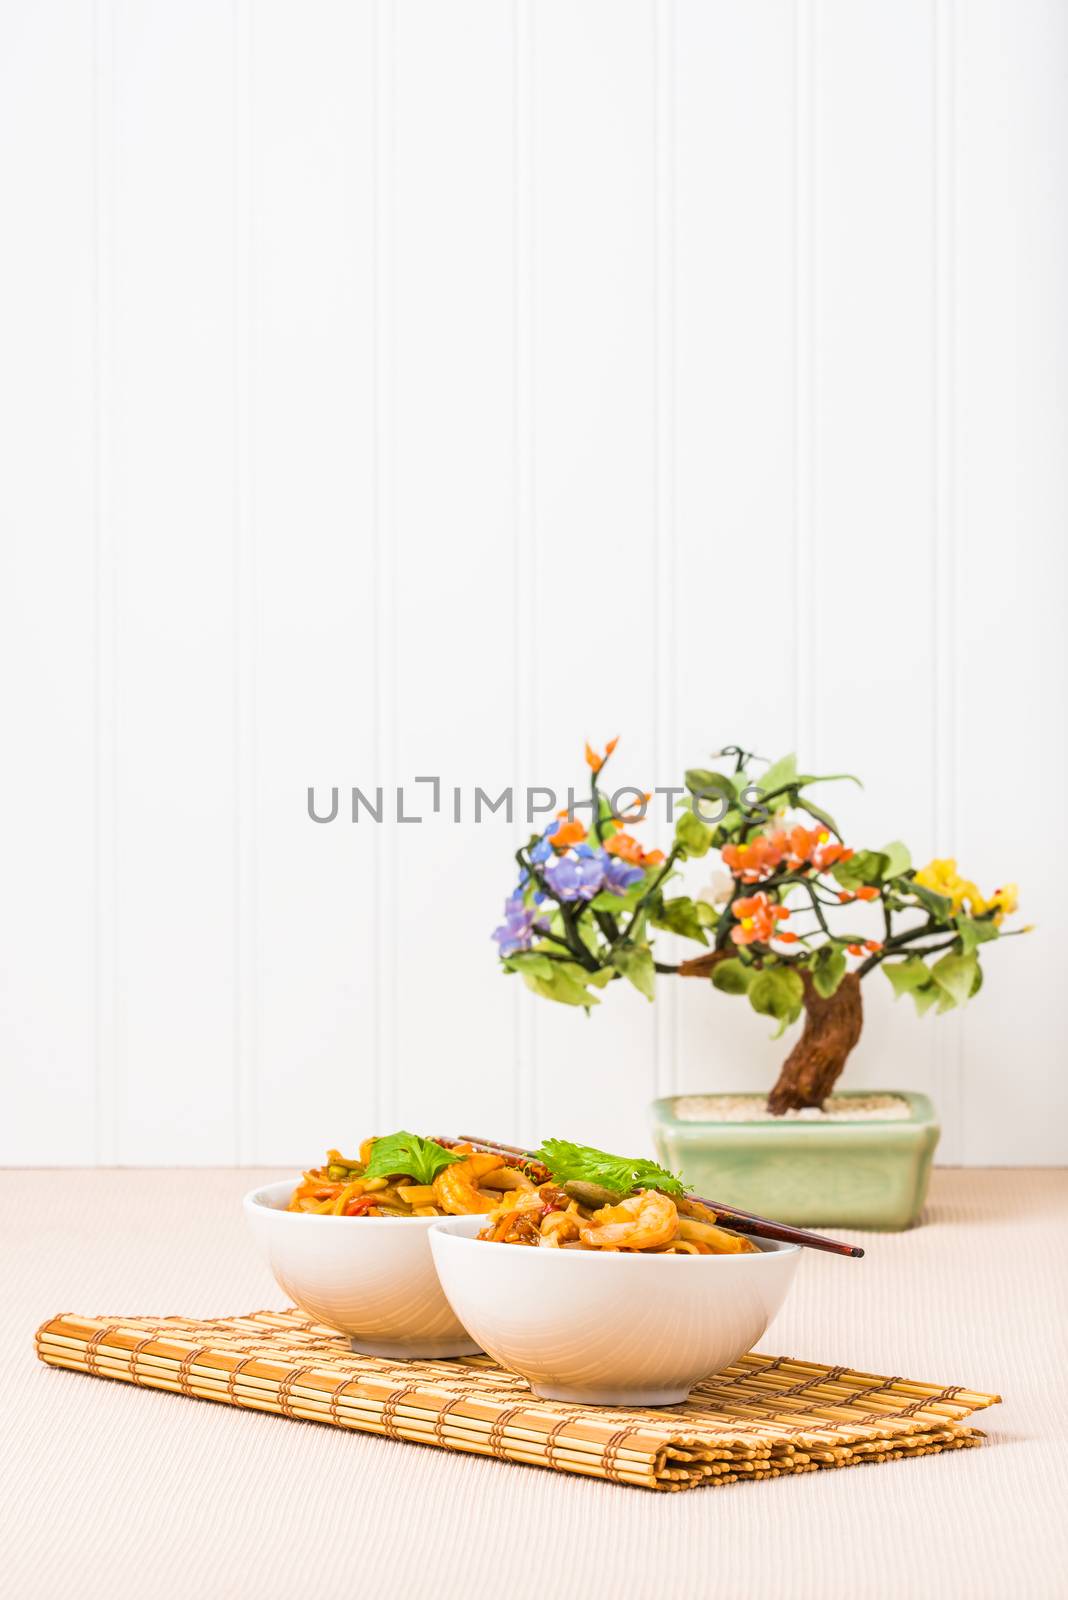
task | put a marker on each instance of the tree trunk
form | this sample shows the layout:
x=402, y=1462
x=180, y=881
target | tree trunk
x=832, y=1028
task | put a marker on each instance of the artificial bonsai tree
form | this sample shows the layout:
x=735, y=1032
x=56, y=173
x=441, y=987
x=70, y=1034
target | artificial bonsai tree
x=793, y=919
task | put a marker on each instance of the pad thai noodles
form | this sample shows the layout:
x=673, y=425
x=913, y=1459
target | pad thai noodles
x=654, y=1223
x=403, y=1175
x=595, y=1201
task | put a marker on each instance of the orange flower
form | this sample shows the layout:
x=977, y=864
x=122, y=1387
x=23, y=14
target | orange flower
x=625, y=846
x=826, y=854
x=859, y=949
x=810, y=847
x=845, y=897
x=867, y=892
x=757, y=915
x=802, y=842
x=596, y=762
x=757, y=859
x=568, y=833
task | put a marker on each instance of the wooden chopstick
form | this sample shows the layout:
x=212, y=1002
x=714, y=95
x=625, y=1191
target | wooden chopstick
x=740, y=1221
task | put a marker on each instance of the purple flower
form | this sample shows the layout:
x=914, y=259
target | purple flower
x=519, y=926
x=619, y=876
x=575, y=877
x=542, y=850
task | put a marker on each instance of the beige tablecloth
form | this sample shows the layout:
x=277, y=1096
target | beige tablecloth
x=110, y=1491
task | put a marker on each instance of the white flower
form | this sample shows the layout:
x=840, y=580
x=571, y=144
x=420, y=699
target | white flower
x=718, y=892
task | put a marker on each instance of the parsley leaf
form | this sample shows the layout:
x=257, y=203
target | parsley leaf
x=580, y=1163
x=407, y=1155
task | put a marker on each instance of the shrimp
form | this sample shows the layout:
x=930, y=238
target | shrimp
x=508, y=1178
x=641, y=1222
x=456, y=1186
x=560, y=1227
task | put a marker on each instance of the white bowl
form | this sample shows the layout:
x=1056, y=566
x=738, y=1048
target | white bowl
x=609, y=1329
x=370, y=1277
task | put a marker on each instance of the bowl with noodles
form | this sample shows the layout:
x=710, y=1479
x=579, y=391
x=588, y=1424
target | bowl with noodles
x=607, y=1297
x=349, y=1242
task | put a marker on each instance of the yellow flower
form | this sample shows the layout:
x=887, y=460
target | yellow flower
x=1004, y=901
x=942, y=877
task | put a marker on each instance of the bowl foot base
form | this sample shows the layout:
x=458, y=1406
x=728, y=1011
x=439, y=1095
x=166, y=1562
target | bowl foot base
x=612, y=1397
x=412, y=1349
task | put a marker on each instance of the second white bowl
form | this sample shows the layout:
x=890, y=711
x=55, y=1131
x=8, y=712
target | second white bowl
x=614, y=1328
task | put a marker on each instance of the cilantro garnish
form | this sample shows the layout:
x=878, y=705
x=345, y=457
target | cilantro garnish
x=581, y=1163
x=407, y=1155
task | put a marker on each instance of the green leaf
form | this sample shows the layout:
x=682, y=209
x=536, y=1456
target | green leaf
x=777, y=992
x=680, y=915
x=828, y=970
x=700, y=780
x=637, y=967
x=907, y=976
x=530, y=961
x=712, y=795
x=975, y=931
x=779, y=774
x=866, y=866
x=924, y=999
x=732, y=976
x=726, y=829
x=707, y=915
x=620, y=1175
x=562, y=987
x=817, y=813
x=407, y=1155
x=898, y=859
x=600, y=978
x=939, y=905
x=955, y=976
x=828, y=777
x=692, y=834
x=614, y=904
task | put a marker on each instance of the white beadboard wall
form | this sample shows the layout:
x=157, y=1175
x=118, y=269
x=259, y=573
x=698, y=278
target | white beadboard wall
x=395, y=388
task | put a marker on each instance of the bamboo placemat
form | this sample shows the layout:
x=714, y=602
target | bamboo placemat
x=764, y=1417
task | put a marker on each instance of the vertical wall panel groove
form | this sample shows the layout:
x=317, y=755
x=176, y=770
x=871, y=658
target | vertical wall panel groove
x=105, y=555
x=245, y=784
x=804, y=334
x=945, y=831
x=665, y=643
x=386, y=1064
x=525, y=524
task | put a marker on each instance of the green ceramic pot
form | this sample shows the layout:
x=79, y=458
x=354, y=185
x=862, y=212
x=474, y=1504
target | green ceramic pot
x=863, y=1174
